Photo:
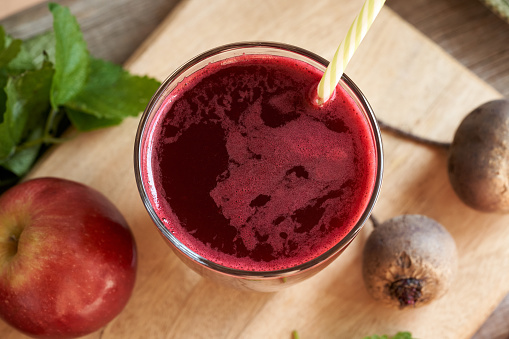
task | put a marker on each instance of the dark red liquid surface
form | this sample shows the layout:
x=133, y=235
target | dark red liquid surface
x=245, y=171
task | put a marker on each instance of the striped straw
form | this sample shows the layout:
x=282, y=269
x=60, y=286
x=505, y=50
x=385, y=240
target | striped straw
x=344, y=53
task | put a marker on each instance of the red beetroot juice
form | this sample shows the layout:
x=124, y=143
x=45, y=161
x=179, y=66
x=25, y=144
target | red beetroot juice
x=246, y=172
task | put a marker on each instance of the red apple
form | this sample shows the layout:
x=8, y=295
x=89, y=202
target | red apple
x=67, y=259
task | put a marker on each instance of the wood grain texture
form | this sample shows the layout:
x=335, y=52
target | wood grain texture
x=410, y=82
x=496, y=326
x=10, y=7
x=477, y=38
x=468, y=31
x=112, y=29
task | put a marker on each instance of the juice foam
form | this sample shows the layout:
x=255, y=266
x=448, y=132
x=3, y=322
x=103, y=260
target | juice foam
x=246, y=172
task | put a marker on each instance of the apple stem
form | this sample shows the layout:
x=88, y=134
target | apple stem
x=14, y=240
x=412, y=137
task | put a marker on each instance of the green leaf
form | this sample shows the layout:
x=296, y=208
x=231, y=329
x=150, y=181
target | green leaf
x=71, y=56
x=7, y=144
x=399, y=335
x=112, y=93
x=26, y=108
x=41, y=48
x=86, y=122
x=50, y=81
x=9, y=48
x=21, y=161
x=20, y=61
x=3, y=96
x=33, y=53
x=2, y=38
x=28, y=100
x=403, y=335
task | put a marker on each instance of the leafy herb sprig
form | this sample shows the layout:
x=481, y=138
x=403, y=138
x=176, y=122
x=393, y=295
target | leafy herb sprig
x=399, y=335
x=50, y=82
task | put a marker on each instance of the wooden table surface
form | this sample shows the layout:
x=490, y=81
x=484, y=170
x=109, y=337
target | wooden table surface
x=466, y=29
x=479, y=39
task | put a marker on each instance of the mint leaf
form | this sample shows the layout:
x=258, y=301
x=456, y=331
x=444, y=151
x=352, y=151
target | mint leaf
x=33, y=53
x=71, y=56
x=49, y=82
x=21, y=161
x=2, y=38
x=7, y=144
x=86, y=122
x=28, y=100
x=20, y=60
x=9, y=48
x=3, y=96
x=399, y=335
x=21, y=63
x=113, y=93
x=41, y=48
x=26, y=108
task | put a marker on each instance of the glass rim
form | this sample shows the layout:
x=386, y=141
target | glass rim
x=339, y=246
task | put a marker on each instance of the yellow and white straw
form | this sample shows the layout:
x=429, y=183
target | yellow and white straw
x=346, y=49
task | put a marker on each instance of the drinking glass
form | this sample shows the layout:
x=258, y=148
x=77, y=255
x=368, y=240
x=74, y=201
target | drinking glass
x=264, y=281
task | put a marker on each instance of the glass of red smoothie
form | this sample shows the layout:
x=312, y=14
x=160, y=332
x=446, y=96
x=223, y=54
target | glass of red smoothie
x=249, y=181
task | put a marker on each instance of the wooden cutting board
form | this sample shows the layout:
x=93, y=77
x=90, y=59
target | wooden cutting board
x=410, y=83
